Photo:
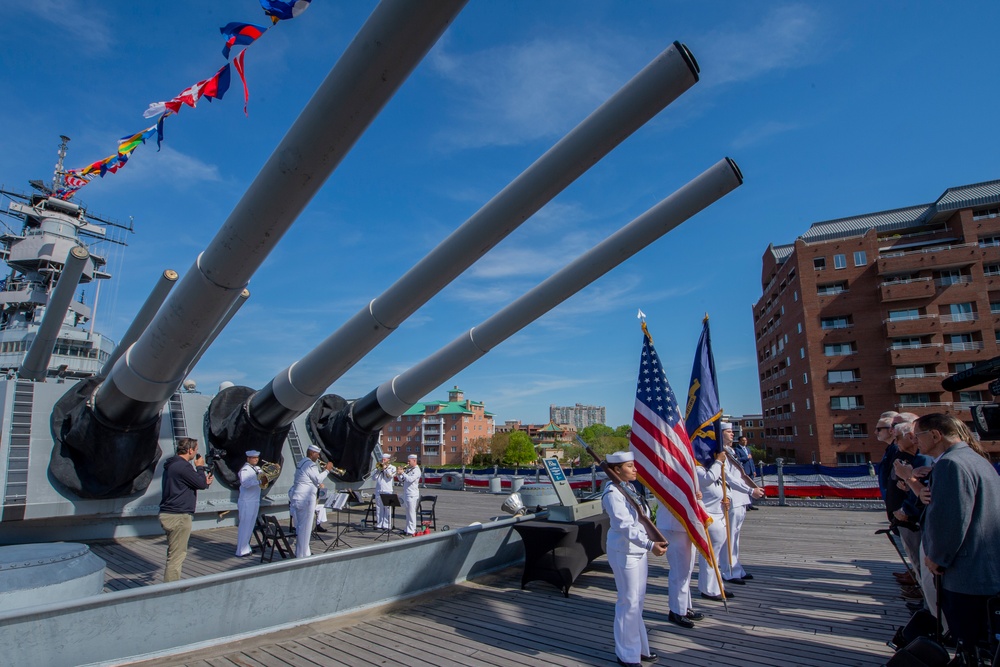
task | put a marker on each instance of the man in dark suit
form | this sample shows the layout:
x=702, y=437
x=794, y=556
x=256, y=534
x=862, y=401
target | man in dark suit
x=961, y=533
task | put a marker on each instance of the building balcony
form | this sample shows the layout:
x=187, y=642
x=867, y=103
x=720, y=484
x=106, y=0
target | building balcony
x=925, y=259
x=901, y=290
x=956, y=409
x=918, y=384
x=973, y=346
x=909, y=356
x=916, y=326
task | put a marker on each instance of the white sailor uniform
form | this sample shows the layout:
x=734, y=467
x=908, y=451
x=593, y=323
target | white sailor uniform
x=383, y=484
x=411, y=496
x=680, y=558
x=302, y=503
x=628, y=546
x=248, y=505
x=739, y=497
x=710, y=483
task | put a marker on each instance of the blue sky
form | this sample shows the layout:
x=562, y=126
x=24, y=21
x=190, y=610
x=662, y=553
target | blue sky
x=830, y=109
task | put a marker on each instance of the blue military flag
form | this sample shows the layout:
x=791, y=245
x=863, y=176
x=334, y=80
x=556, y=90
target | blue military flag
x=703, y=411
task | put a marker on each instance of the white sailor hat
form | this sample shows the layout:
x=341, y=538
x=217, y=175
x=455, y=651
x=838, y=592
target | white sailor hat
x=620, y=457
x=386, y=456
x=314, y=448
x=412, y=456
x=725, y=426
x=252, y=453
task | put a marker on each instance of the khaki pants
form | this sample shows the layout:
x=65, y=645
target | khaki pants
x=178, y=530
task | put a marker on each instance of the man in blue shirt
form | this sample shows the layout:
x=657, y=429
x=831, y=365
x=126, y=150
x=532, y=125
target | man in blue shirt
x=181, y=482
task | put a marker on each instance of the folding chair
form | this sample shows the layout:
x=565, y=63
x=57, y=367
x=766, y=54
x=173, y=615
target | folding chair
x=274, y=536
x=427, y=514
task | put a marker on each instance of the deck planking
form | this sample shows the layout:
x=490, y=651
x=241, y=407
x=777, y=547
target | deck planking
x=822, y=595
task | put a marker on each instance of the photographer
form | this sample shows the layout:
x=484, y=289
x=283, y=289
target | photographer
x=181, y=482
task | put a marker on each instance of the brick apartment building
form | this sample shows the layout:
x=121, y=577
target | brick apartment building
x=437, y=430
x=869, y=313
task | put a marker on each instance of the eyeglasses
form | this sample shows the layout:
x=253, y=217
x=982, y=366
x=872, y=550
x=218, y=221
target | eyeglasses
x=919, y=433
x=882, y=428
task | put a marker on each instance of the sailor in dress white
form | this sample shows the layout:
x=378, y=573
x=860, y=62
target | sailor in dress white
x=249, y=502
x=302, y=498
x=383, y=484
x=411, y=492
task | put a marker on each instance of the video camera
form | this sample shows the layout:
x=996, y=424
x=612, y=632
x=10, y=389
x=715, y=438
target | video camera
x=211, y=461
x=985, y=418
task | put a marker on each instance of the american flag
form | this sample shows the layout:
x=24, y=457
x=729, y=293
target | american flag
x=663, y=455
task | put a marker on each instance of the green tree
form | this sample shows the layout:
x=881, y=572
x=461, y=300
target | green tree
x=603, y=440
x=623, y=431
x=520, y=450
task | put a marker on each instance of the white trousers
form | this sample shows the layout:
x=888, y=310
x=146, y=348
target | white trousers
x=630, y=571
x=410, y=504
x=680, y=557
x=736, y=517
x=707, y=581
x=248, y=518
x=304, y=512
x=383, y=514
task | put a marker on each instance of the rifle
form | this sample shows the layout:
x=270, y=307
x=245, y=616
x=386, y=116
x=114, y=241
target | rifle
x=651, y=529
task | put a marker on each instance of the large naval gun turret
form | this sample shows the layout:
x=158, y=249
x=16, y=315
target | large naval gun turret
x=78, y=459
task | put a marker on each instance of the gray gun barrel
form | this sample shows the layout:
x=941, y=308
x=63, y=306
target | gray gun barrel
x=36, y=359
x=107, y=430
x=394, y=397
x=292, y=391
x=145, y=315
x=387, y=48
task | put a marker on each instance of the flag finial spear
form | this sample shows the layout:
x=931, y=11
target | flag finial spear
x=705, y=319
x=642, y=317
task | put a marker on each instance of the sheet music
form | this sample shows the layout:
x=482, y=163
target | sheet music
x=337, y=501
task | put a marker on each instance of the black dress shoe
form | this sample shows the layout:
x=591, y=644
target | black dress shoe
x=682, y=621
x=652, y=657
x=738, y=582
x=714, y=598
x=747, y=577
x=628, y=664
x=751, y=507
x=320, y=529
x=694, y=615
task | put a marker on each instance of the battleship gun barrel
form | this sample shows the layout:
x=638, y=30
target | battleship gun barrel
x=387, y=48
x=295, y=389
x=143, y=318
x=36, y=359
x=394, y=397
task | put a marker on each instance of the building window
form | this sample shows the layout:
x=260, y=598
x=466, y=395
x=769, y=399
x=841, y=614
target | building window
x=852, y=375
x=962, y=312
x=910, y=371
x=991, y=269
x=799, y=327
x=808, y=408
x=995, y=307
x=987, y=241
x=850, y=430
x=846, y=402
x=909, y=343
x=915, y=399
x=802, y=353
x=840, y=261
x=819, y=263
x=860, y=258
x=947, y=277
x=841, y=322
x=839, y=349
x=830, y=289
x=852, y=458
x=805, y=378
x=905, y=314
x=795, y=295
x=984, y=213
x=970, y=396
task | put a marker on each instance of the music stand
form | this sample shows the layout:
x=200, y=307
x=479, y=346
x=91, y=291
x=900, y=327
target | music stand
x=338, y=502
x=389, y=500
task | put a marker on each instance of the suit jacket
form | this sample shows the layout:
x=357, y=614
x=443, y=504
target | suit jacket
x=962, y=522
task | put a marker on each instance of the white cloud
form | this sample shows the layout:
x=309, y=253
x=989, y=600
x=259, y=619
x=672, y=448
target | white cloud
x=516, y=93
x=80, y=21
x=784, y=38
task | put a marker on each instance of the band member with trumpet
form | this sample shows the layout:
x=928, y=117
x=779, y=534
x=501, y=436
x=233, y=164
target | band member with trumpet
x=410, y=476
x=249, y=502
x=384, y=472
x=302, y=498
x=628, y=549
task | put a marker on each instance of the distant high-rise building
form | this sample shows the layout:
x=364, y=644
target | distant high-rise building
x=578, y=416
x=866, y=314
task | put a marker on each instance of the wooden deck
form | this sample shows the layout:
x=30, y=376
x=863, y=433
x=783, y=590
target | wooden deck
x=822, y=595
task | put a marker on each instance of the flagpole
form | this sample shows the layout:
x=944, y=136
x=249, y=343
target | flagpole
x=725, y=517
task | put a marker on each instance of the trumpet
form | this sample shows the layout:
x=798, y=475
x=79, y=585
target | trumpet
x=334, y=470
x=380, y=466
